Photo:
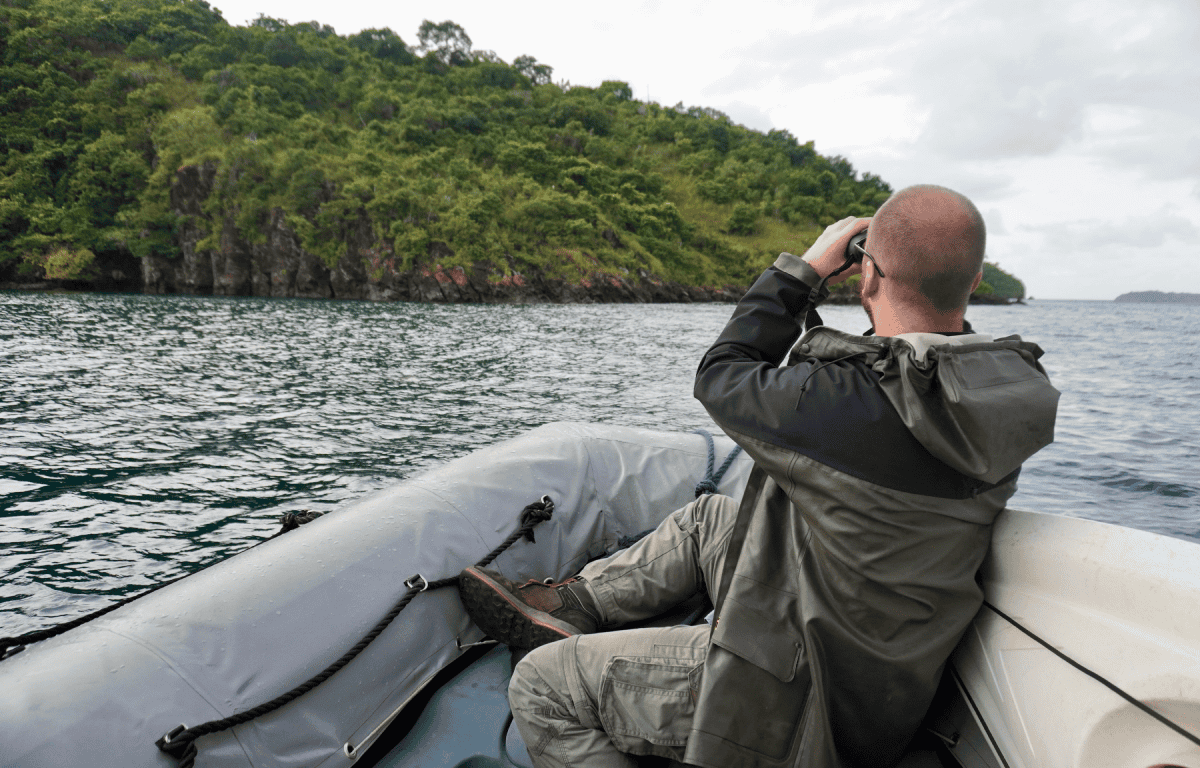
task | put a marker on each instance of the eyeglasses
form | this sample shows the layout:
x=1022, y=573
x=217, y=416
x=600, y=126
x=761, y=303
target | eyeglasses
x=869, y=256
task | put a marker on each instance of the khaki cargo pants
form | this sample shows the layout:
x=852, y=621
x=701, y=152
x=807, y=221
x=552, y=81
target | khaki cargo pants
x=590, y=701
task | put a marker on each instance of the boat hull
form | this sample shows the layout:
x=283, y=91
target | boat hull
x=1120, y=602
x=242, y=632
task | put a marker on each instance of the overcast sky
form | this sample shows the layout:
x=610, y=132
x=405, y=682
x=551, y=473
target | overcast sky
x=1073, y=125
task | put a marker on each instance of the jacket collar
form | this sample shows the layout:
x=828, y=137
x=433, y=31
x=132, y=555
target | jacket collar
x=825, y=343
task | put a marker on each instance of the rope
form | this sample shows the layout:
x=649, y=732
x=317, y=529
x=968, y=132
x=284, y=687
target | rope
x=506, y=759
x=181, y=742
x=1095, y=676
x=710, y=481
x=11, y=646
x=293, y=520
x=707, y=484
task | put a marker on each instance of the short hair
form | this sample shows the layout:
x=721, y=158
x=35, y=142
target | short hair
x=932, y=240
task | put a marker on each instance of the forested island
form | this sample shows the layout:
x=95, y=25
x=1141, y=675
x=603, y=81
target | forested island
x=151, y=146
x=1159, y=297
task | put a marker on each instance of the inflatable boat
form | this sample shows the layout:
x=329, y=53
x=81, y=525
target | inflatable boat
x=1087, y=652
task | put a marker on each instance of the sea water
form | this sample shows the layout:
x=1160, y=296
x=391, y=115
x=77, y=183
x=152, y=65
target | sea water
x=142, y=437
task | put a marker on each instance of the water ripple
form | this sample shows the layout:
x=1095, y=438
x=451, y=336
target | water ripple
x=142, y=437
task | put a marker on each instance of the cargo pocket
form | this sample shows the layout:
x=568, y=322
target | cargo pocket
x=646, y=705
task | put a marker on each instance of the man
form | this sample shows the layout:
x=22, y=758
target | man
x=846, y=576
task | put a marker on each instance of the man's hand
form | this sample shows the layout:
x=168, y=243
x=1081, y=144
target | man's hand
x=829, y=251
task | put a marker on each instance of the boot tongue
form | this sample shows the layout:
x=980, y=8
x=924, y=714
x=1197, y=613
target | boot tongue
x=543, y=597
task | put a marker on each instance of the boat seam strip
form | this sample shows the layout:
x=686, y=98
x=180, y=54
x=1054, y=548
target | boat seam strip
x=1099, y=678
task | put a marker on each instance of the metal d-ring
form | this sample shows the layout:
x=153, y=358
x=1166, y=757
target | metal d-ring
x=411, y=582
x=171, y=734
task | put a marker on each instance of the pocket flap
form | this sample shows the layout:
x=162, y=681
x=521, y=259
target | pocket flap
x=759, y=639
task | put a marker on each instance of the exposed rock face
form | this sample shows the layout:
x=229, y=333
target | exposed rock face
x=277, y=267
x=281, y=267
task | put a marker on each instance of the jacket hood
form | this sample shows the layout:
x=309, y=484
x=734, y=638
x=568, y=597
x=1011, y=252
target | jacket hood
x=980, y=405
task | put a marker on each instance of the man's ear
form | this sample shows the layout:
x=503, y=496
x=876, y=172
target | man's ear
x=978, y=279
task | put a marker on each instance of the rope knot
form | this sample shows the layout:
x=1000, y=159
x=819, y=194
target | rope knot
x=180, y=744
x=538, y=512
x=712, y=479
x=293, y=520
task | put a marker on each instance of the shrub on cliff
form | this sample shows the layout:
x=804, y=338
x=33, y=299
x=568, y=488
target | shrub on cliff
x=61, y=264
x=743, y=220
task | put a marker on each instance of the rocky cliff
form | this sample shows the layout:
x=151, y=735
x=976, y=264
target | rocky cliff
x=279, y=266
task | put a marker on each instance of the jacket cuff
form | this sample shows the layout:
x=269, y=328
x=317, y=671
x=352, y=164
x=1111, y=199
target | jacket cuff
x=797, y=268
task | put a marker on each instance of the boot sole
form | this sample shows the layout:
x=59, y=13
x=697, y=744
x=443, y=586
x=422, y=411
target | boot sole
x=504, y=617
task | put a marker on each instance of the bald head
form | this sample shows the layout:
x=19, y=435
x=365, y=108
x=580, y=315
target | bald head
x=930, y=242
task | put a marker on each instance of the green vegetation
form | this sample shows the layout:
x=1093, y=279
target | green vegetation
x=437, y=148
x=998, y=285
x=104, y=101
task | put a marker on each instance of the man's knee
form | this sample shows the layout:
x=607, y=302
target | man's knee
x=713, y=511
x=537, y=684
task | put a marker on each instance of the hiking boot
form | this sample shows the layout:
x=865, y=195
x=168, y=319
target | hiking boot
x=529, y=614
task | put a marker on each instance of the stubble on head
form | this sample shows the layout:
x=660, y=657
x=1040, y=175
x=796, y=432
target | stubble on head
x=932, y=240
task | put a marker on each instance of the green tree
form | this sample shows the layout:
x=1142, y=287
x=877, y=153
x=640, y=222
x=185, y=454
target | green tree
x=538, y=74
x=382, y=44
x=447, y=42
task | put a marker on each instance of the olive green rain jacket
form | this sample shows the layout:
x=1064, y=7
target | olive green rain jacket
x=881, y=463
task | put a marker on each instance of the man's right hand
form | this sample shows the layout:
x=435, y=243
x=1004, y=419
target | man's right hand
x=829, y=251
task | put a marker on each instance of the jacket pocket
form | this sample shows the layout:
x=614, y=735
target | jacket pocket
x=745, y=705
x=646, y=705
x=759, y=639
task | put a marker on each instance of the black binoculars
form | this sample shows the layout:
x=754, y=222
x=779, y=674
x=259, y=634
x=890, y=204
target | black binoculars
x=854, y=248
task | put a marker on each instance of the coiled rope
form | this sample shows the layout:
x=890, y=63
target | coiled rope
x=181, y=741
x=707, y=484
x=710, y=481
x=11, y=646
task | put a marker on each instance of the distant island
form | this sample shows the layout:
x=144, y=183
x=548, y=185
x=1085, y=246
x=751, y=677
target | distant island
x=1159, y=297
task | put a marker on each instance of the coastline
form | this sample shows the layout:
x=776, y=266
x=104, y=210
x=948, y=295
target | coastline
x=436, y=284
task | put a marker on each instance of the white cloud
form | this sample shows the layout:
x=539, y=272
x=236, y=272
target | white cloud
x=994, y=220
x=991, y=80
x=1131, y=233
x=749, y=115
x=1163, y=144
